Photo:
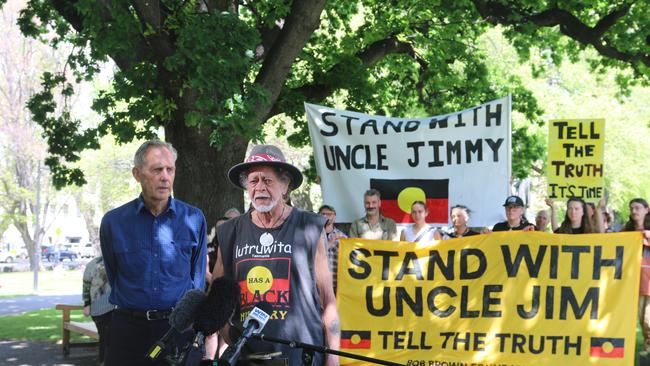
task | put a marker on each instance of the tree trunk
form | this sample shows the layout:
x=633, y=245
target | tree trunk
x=30, y=245
x=202, y=171
x=88, y=212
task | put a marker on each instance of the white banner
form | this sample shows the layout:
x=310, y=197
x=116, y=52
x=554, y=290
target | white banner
x=458, y=158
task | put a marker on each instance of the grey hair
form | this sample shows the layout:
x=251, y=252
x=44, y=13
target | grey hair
x=372, y=192
x=283, y=176
x=231, y=210
x=138, y=158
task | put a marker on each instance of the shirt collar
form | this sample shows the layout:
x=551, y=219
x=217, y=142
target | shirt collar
x=381, y=218
x=171, y=205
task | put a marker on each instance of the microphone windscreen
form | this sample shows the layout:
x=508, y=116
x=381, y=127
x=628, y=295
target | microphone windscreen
x=219, y=305
x=186, y=310
x=265, y=307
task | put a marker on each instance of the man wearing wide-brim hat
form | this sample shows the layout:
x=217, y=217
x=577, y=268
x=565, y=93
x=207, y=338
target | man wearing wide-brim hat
x=277, y=254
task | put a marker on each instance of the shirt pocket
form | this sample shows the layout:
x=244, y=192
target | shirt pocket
x=132, y=258
x=177, y=257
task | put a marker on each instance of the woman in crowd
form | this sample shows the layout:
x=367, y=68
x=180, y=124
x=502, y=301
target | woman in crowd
x=459, y=218
x=640, y=221
x=420, y=231
x=95, y=293
x=577, y=221
x=607, y=222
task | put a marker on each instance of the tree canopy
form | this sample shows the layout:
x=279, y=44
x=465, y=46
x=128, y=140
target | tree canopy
x=211, y=73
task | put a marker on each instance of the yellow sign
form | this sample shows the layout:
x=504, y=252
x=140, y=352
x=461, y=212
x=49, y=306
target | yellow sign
x=506, y=298
x=575, y=158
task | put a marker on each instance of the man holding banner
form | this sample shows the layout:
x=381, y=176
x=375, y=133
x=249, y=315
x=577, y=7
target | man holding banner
x=374, y=225
x=515, y=219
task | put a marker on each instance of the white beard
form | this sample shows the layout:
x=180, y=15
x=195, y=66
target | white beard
x=264, y=208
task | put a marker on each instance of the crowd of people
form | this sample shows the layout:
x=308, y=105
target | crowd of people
x=156, y=248
x=580, y=218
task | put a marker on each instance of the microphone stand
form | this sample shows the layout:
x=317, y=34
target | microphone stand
x=308, y=356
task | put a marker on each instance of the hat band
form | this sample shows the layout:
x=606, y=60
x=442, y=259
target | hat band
x=262, y=157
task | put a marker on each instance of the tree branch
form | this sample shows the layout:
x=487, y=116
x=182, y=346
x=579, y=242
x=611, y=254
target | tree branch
x=302, y=21
x=369, y=56
x=149, y=14
x=67, y=9
x=498, y=13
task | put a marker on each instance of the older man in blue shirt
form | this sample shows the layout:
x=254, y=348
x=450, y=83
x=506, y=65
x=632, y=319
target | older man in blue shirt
x=154, y=248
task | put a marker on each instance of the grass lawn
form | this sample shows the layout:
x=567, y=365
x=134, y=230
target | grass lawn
x=57, y=282
x=40, y=325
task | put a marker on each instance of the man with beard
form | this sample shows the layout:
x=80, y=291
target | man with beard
x=374, y=225
x=277, y=254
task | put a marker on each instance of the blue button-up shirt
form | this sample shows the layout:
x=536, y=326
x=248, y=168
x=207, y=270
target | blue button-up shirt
x=151, y=261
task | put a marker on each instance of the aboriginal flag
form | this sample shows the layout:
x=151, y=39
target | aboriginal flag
x=607, y=347
x=397, y=196
x=355, y=339
x=264, y=279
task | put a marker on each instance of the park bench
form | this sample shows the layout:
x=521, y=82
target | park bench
x=86, y=328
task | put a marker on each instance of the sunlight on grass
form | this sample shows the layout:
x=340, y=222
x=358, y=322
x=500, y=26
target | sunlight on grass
x=40, y=325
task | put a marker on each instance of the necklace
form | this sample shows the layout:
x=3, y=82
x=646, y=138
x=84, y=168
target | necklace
x=275, y=222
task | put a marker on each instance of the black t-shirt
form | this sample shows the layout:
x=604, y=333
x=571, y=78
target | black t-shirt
x=576, y=230
x=469, y=232
x=212, y=253
x=503, y=226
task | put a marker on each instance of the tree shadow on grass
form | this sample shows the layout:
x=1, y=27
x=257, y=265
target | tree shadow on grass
x=44, y=354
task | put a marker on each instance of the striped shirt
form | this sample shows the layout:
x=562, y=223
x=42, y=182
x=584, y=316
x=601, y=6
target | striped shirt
x=96, y=289
x=333, y=255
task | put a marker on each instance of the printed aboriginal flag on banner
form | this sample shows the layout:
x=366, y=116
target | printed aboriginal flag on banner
x=397, y=196
x=355, y=339
x=607, y=347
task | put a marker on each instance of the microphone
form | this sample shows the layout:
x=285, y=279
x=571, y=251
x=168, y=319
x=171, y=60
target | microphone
x=218, y=306
x=254, y=323
x=180, y=319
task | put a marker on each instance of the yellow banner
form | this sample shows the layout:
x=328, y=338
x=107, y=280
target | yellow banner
x=575, y=158
x=506, y=298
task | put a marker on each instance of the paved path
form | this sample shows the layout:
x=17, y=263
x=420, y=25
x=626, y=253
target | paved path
x=20, y=304
x=20, y=353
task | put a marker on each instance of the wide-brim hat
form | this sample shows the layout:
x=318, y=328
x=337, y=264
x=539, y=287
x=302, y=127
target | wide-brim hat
x=265, y=155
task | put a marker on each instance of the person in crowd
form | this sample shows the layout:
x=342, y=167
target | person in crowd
x=640, y=221
x=332, y=236
x=460, y=215
x=154, y=250
x=420, y=231
x=212, y=250
x=576, y=220
x=373, y=225
x=542, y=217
x=213, y=342
x=231, y=213
x=591, y=209
x=515, y=219
x=284, y=246
x=607, y=222
x=95, y=293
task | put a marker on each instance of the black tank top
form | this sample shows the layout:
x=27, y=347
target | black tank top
x=277, y=266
